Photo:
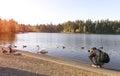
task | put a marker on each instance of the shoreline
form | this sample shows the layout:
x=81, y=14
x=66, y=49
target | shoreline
x=44, y=65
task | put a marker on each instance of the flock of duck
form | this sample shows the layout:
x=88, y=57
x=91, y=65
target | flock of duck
x=39, y=50
x=44, y=51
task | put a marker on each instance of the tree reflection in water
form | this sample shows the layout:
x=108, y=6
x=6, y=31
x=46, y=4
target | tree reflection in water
x=7, y=39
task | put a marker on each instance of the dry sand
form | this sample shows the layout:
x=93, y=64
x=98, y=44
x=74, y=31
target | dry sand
x=28, y=64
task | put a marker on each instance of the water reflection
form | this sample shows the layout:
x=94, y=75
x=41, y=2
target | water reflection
x=7, y=38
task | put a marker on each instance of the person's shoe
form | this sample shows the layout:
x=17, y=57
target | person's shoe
x=98, y=66
x=93, y=65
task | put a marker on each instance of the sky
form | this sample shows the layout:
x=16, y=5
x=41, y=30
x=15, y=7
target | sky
x=58, y=11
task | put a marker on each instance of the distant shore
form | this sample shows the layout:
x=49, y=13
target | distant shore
x=30, y=64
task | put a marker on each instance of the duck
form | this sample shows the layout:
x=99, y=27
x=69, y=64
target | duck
x=4, y=51
x=24, y=46
x=15, y=46
x=82, y=47
x=64, y=47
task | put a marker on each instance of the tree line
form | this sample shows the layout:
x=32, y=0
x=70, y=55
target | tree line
x=96, y=27
x=78, y=26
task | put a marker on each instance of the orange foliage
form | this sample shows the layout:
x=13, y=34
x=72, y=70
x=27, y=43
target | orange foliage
x=8, y=26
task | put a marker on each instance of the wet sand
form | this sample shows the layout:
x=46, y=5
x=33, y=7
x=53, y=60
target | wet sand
x=24, y=63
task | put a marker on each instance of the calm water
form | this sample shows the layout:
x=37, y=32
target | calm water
x=54, y=42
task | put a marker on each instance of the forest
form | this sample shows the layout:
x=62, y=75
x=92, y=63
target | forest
x=78, y=26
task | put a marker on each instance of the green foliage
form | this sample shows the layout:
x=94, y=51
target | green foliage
x=88, y=26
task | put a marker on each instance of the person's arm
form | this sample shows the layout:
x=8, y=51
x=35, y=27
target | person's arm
x=92, y=55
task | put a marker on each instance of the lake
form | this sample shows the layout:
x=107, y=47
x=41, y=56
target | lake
x=73, y=43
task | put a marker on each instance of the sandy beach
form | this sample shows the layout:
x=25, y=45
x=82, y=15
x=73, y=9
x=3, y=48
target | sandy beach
x=24, y=63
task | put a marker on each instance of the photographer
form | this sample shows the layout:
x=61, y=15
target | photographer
x=95, y=57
